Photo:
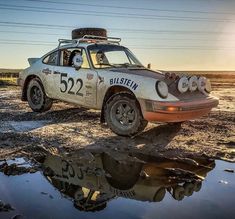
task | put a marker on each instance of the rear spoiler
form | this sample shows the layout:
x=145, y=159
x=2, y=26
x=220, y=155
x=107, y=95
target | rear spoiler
x=32, y=60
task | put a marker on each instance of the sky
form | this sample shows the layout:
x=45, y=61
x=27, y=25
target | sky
x=169, y=34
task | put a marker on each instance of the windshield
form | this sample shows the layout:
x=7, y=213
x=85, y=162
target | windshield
x=106, y=56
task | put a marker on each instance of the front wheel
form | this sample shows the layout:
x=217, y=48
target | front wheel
x=36, y=96
x=123, y=115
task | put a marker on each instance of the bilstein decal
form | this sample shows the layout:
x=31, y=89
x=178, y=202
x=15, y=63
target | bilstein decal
x=124, y=81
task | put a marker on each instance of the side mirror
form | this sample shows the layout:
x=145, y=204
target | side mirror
x=77, y=61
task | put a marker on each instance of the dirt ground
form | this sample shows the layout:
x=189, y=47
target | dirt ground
x=67, y=128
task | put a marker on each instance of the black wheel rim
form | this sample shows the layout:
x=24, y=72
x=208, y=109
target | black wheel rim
x=124, y=113
x=35, y=95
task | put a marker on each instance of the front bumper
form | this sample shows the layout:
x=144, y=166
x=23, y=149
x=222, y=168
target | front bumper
x=178, y=111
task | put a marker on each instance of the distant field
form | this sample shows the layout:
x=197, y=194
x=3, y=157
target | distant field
x=5, y=70
x=211, y=74
x=8, y=76
x=8, y=81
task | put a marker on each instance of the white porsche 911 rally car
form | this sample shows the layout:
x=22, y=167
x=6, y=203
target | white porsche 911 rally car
x=97, y=72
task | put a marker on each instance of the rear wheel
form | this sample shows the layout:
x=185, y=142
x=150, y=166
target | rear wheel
x=123, y=115
x=36, y=96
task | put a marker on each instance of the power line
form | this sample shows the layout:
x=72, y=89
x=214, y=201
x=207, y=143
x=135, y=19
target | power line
x=128, y=38
x=142, y=31
x=26, y=41
x=25, y=44
x=133, y=8
x=34, y=33
x=35, y=25
x=138, y=48
x=176, y=39
x=109, y=14
x=184, y=48
x=171, y=31
x=154, y=47
x=50, y=42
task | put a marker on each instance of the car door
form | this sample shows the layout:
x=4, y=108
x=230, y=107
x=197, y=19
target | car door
x=77, y=86
x=47, y=72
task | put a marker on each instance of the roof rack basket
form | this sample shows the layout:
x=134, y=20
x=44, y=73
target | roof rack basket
x=90, y=38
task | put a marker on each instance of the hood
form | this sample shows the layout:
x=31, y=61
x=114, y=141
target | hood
x=141, y=72
x=171, y=79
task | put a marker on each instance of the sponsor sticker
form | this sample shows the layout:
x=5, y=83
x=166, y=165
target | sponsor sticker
x=46, y=71
x=90, y=76
x=124, y=81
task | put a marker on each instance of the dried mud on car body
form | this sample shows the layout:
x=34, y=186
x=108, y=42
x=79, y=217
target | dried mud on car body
x=67, y=128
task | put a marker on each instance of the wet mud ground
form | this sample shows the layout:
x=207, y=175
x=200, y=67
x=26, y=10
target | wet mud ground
x=68, y=128
x=64, y=164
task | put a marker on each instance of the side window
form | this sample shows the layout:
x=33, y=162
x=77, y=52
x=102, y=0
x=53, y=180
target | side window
x=67, y=55
x=51, y=59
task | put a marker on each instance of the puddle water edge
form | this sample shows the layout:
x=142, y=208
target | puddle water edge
x=103, y=186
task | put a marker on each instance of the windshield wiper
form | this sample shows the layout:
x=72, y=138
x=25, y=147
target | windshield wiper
x=127, y=65
x=107, y=64
x=139, y=66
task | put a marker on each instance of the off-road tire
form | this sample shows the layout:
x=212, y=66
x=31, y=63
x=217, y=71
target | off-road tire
x=138, y=124
x=43, y=102
x=80, y=32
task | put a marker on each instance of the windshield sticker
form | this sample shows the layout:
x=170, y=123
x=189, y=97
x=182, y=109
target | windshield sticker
x=124, y=81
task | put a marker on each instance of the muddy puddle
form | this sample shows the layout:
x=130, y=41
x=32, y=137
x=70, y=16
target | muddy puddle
x=116, y=185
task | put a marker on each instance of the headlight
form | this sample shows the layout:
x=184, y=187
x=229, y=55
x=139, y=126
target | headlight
x=183, y=84
x=202, y=84
x=208, y=86
x=193, y=83
x=162, y=89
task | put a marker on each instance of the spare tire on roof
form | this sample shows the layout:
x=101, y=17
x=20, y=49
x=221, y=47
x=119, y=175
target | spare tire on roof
x=80, y=32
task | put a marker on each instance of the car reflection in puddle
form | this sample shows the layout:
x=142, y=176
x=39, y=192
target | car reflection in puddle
x=95, y=180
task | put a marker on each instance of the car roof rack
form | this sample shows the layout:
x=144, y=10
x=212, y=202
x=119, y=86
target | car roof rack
x=90, y=39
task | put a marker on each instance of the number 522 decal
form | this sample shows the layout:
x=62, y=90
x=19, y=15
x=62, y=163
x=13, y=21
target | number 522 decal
x=69, y=84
